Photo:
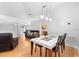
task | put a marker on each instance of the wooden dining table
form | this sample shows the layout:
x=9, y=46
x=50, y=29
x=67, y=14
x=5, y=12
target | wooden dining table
x=48, y=42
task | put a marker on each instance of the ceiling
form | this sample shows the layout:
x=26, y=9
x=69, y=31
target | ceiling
x=34, y=9
x=25, y=10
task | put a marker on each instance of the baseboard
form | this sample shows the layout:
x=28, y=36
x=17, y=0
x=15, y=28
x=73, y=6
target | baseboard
x=73, y=46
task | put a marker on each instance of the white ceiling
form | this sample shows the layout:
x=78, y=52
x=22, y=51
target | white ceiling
x=25, y=10
x=35, y=8
x=22, y=9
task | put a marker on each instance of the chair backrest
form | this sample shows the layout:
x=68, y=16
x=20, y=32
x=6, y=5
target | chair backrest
x=64, y=36
x=58, y=42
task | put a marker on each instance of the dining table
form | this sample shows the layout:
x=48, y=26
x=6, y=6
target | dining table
x=48, y=42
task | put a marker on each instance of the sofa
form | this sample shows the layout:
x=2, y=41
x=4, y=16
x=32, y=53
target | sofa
x=31, y=34
x=7, y=42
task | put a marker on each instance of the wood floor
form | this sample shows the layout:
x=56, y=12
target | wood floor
x=23, y=50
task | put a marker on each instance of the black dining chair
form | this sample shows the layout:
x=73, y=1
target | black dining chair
x=63, y=42
x=56, y=49
x=36, y=45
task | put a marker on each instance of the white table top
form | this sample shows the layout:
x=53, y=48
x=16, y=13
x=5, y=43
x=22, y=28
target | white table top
x=49, y=42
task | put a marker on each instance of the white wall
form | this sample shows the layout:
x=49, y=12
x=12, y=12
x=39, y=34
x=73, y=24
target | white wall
x=67, y=12
x=8, y=28
x=35, y=25
x=8, y=25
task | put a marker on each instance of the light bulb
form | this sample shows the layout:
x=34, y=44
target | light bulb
x=42, y=16
x=46, y=18
x=50, y=19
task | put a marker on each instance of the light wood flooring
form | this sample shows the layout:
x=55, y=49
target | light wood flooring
x=23, y=50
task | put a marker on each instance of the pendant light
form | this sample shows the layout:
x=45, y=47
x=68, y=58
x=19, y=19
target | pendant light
x=46, y=18
x=44, y=15
x=50, y=19
x=42, y=9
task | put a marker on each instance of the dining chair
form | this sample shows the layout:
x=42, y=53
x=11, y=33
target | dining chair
x=56, y=49
x=63, y=42
x=36, y=45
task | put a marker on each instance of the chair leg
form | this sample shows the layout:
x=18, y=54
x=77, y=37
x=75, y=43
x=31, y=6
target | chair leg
x=61, y=48
x=40, y=52
x=55, y=53
x=45, y=52
x=59, y=53
x=35, y=47
x=64, y=46
x=31, y=48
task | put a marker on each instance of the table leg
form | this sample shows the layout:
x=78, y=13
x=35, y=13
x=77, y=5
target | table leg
x=40, y=51
x=35, y=47
x=50, y=52
x=45, y=52
x=31, y=48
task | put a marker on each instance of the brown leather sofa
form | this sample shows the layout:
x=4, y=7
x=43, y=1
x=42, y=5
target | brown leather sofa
x=7, y=42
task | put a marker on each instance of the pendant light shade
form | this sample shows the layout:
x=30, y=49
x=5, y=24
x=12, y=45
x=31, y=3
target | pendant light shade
x=50, y=19
x=42, y=16
x=46, y=18
x=44, y=10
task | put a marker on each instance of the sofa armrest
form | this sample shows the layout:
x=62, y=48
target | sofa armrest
x=14, y=42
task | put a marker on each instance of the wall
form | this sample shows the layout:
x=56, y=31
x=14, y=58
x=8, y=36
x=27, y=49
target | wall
x=35, y=25
x=8, y=25
x=67, y=12
x=8, y=28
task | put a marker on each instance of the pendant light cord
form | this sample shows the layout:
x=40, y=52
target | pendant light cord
x=46, y=10
x=50, y=9
x=42, y=8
